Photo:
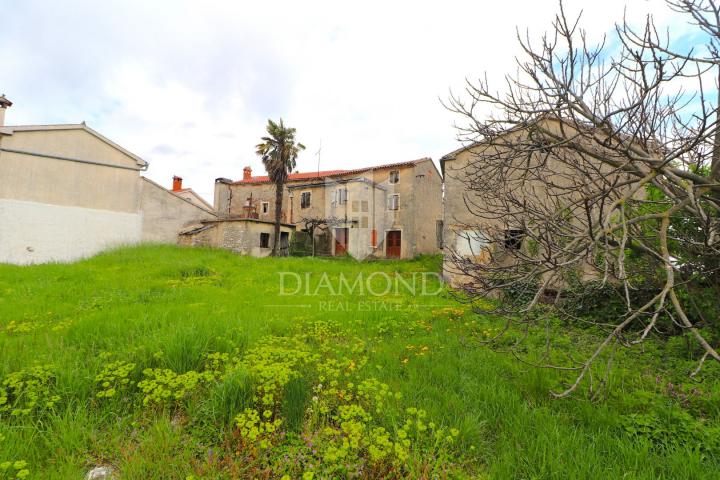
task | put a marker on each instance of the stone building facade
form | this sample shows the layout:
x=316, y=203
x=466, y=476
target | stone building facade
x=246, y=236
x=465, y=235
x=384, y=211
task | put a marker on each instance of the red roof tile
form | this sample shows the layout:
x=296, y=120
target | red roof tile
x=326, y=173
x=292, y=176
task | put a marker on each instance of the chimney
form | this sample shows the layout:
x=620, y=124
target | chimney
x=4, y=104
x=247, y=173
x=177, y=184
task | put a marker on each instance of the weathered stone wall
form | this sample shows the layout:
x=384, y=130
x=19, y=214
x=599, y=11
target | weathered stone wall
x=165, y=214
x=241, y=236
x=427, y=208
x=221, y=200
x=458, y=219
x=207, y=237
x=263, y=192
x=420, y=206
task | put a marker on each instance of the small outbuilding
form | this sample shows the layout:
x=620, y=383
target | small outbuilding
x=246, y=236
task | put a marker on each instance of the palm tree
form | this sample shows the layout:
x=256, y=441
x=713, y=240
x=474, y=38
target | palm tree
x=278, y=152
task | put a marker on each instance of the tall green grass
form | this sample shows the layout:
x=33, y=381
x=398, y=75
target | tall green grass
x=166, y=307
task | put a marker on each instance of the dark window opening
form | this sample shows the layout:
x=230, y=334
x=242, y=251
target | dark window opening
x=514, y=239
x=264, y=240
x=394, y=176
x=304, y=199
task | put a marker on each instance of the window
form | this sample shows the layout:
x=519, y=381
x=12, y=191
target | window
x=364, y=222
x=355, y=206
x=364, y=205
x=514, y=238
x=393, y=202
x=394, y=176
x=265, y=207
x=341, y=195
x=470, y=243
x=305, y=200
x=439, y=233
x=264, y=240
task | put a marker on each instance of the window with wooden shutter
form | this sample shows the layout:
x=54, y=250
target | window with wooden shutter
x=393, y=202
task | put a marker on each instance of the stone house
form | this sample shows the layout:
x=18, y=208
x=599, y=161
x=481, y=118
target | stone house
x=68, y=192
x=386, y=211
x=465, y=235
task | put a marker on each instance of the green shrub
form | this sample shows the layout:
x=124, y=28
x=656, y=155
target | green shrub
x=28, y=391
x=114, y=378
x=673, y=429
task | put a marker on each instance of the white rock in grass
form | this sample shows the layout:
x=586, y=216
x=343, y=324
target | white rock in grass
x=100, y=473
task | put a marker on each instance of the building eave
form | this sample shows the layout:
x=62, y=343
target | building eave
x=263, y=180
x=209, y=210
x=245, y=219
x=79, y=126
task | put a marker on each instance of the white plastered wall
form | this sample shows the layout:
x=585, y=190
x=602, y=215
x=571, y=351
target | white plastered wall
x=32, y=232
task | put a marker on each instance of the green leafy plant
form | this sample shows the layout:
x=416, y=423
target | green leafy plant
x=28, y=391
x=113, y=378
x=14, y=470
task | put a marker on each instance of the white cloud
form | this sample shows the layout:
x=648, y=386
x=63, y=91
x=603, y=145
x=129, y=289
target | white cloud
x=189, y=85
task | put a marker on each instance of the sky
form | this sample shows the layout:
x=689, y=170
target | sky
x=189, y=85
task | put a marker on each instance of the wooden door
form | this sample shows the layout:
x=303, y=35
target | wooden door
x=392, y=244
x=341, y=241
x=284, y=244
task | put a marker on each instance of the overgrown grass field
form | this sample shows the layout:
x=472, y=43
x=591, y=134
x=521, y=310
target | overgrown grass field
x=170, y=363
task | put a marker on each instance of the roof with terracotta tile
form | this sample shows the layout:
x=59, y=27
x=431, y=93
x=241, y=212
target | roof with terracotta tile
x=303, y=176
x=291, y=177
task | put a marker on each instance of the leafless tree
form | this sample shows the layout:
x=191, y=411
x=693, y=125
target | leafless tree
x=315, y=224
x=599, y=162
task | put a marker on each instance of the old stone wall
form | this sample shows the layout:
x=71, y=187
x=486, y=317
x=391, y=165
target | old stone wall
x=241, y=236
x=165, y=214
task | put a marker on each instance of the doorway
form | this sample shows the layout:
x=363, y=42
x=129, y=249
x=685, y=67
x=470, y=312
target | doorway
x=392, y=244
x=341, y=241
x=284, y=244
